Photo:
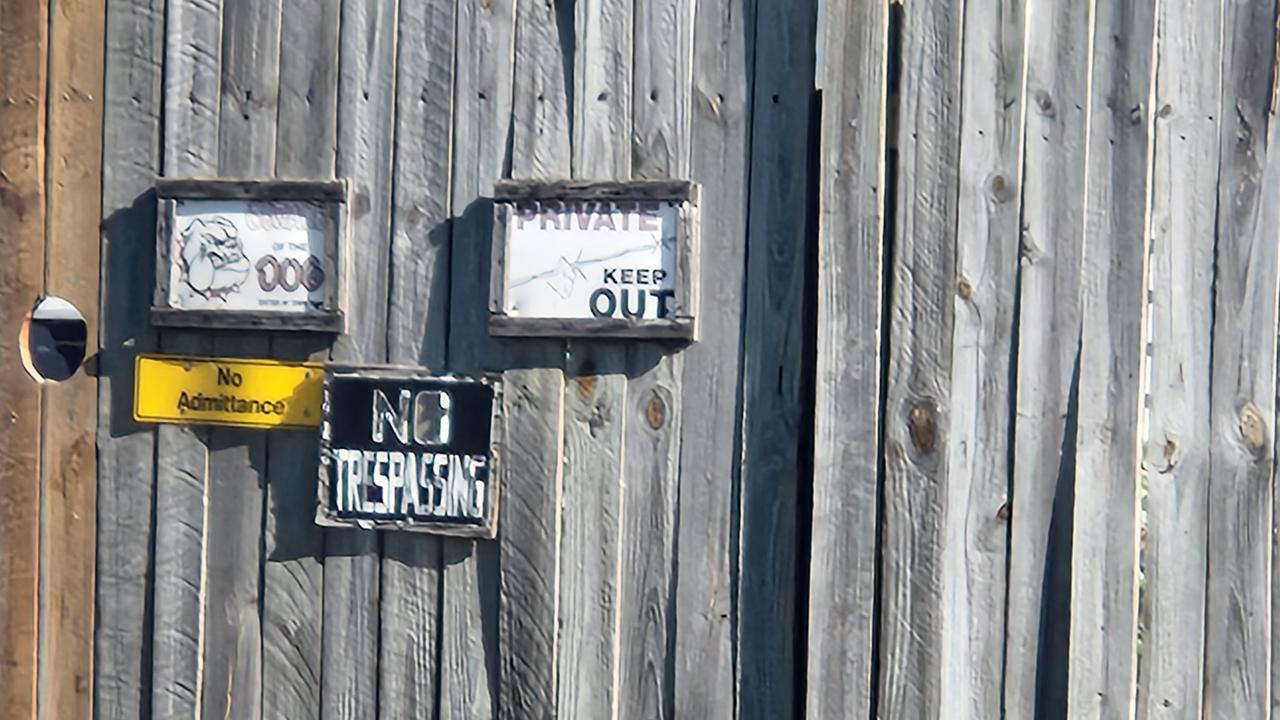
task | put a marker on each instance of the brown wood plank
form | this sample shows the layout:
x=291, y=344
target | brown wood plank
x=69, y=457
x=23, y=48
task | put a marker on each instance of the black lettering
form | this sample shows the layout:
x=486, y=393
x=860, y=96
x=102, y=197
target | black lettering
x=183, y=403
x=610, y=275
x=608, y=295
x=279, y=407
x=662, y=296
x=628, y=276
x=659, y=276
x=227, y=376
x=626, y=305
x=642, y=277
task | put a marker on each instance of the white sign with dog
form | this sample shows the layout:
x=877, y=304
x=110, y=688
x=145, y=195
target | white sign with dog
x=229, y=254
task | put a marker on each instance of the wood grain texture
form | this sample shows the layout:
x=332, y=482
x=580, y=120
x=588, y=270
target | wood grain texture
x=774, y=351
x=976, y=541
x=192, y=67
x=417, y=334
x=234, y=491
x=126, y=451
x=1104, y=566
x=660, y=147
x=23, y=87
x=1047, y=349
x=595, y=389
x=293, y=546
x=1238, y=638
x=922, y=646
x=1183, y=208
x=851, y=201
x=68, y=456
x=366, y=112
x=709, y=437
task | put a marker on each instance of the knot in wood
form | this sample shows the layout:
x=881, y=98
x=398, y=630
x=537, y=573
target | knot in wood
x=923, y=426
x=1044, y=103
x=1253, y=429
x=1166, y=110
x=1004, y=511
x=964, y=289
x=998, y=189
x=655, y=411
x=586, y=385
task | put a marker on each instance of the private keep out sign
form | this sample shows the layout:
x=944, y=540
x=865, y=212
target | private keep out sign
x=595, y=259
x=401, y=449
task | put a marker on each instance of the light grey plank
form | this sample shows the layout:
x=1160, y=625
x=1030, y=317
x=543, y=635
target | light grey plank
x=192, y=66
x=775, y=400
x=366, y=102
x=471, y=661
x=232, y=647
x=660, y=148
x=1183, y=214
x=1243, y=381
x=595, y=389
x=126, y=451
x=852, y=78
x=417, y=334
x=293, y=546
x=709, y=438
x=921, y=644
x=1104, y=565
x=1048, y=343
x=974, y=551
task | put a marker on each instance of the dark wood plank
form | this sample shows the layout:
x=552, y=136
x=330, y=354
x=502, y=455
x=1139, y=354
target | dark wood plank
x=596, y=184
x=23, y=78
x=126, y=451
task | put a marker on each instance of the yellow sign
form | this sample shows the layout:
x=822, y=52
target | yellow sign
x=227, y=391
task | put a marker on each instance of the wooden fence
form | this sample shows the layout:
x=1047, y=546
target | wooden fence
x=980, y=422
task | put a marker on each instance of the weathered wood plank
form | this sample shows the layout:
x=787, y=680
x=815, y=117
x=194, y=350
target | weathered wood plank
x=293, y=545
x=366, y=111
x=126, y=450
x=192, y=67
x=23, y=78
x=234, y=492
x=1183, y=209
x=417, y=334
x=660, y=148
x=774, y=402
x=709, y=437
x=68, y=456
x=1047, y=348
x=1241, y=457
x=851, y=220
x=595, y=386
x=922, y=646
x=975, y=544
x=1104, y=565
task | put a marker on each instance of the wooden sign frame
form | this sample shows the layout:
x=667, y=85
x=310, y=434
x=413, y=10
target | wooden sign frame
x=328, y=516
x=332, y=195
x=681, y=325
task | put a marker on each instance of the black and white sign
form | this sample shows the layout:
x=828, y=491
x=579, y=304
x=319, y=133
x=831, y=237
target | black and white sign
x=400, y=449
x=250, y=254
x=595, y=259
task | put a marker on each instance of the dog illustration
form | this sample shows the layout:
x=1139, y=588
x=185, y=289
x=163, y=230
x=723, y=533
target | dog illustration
x=212, y=257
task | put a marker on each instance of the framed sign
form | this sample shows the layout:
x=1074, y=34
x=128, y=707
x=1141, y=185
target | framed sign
x=402, y=449
x=595, y=259
x=250, y=254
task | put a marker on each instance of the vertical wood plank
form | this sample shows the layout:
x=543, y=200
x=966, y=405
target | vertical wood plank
x=192, y=67
x=1241, y=456
x=1104, y=565
x=660, y=147
x=23, y=78
x=595, y=387
x=126, y=451
x=293, y=546
x=921, y=646
x=1047, y=349
x=417, y=334
x=68, y=455
x=1183, y=208
x=709, y=437
x=232, y=652
x=851, y=219
x=774, y=354
x=366, y=112
x=975, y=541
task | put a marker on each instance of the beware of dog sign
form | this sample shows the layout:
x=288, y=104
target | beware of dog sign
x=250, y=254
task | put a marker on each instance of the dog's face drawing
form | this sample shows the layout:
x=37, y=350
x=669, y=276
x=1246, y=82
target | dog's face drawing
x=213, y=261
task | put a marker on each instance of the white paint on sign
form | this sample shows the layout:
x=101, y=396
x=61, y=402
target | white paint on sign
x=247, y=255
x=591, y=259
